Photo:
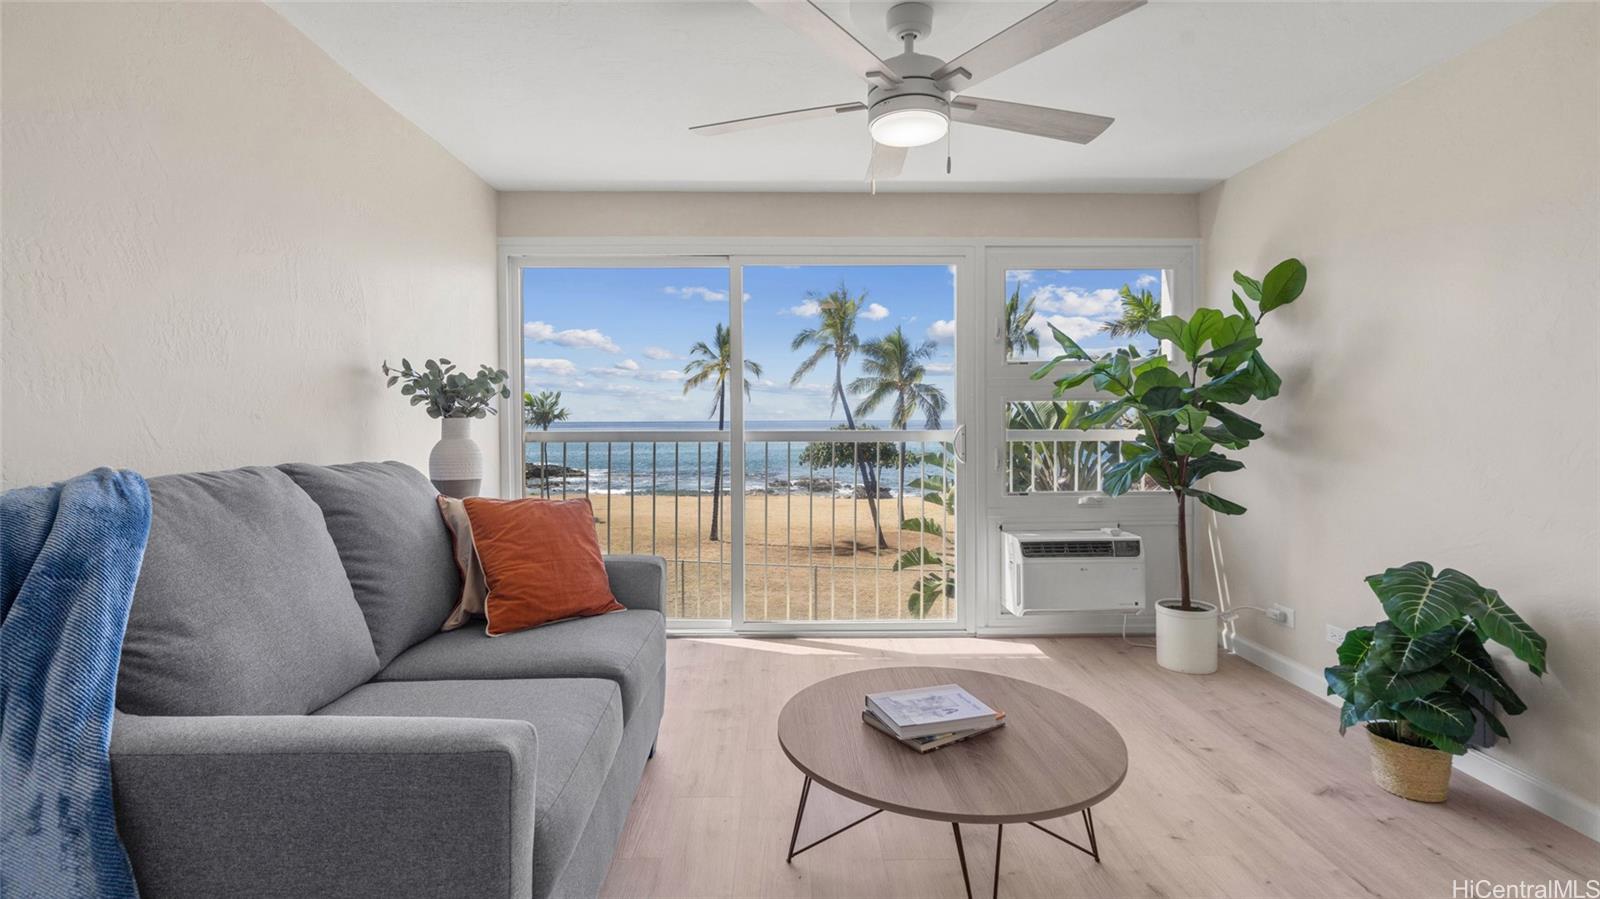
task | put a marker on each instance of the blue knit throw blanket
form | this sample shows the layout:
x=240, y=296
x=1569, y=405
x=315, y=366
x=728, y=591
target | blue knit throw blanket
x=69, y=557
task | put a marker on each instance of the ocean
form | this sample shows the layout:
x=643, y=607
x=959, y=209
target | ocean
x=686, y=467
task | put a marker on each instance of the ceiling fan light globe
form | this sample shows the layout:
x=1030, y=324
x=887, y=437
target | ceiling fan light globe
x=909, y=127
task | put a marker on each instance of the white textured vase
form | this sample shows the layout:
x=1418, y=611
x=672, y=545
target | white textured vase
x=1186, y=642
x=456, y=464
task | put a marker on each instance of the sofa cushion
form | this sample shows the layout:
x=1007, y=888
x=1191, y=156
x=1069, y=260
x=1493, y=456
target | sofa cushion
x=242, y=606
x=628, y=647
x=578, y=724
x=385, y=520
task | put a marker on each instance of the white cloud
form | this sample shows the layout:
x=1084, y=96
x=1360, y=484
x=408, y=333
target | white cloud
x=540, y=332
x=1146, y=281
x=875, y=312
x=701, y=293
x=806, y=309
x=1076, y=302
x=560, y=367
x=1020, y=275
x=628, y=368
x=942, y=331
x=1075, y=326
x=940, y=368
x=659, y=353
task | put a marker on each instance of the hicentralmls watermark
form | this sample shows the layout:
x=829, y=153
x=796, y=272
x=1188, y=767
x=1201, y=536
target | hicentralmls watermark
x=1525, y=889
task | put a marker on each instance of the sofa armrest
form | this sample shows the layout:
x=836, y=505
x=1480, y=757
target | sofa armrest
x=326, y=806
x=639, y=582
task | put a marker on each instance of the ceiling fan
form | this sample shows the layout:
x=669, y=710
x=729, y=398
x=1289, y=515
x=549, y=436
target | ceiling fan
x=912, y=98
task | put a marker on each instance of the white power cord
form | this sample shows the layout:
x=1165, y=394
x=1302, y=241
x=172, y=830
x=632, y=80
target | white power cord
x=1277, y=615
x=1131, y=642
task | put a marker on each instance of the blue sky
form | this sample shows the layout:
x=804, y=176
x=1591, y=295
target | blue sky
x=614, y=340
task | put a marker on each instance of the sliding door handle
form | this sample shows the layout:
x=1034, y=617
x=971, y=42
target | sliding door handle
x=958, y=444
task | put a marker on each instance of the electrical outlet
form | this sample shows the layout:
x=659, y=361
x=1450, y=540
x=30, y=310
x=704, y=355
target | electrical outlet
x=1335, y=634
x=1285, y=615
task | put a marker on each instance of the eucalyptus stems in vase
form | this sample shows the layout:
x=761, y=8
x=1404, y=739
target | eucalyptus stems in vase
x=455, y=398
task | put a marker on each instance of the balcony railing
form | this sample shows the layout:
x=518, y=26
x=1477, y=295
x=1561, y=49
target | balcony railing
x=810, y=549
x=1065, y=461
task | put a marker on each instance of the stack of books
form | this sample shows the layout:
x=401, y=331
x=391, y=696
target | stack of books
x=929, y=718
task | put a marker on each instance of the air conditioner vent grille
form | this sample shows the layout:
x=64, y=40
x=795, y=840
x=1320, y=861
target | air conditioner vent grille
x=1078, y=549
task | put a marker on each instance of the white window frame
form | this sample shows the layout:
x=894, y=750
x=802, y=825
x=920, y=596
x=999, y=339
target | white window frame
x=1008, y=381
x=980, y=381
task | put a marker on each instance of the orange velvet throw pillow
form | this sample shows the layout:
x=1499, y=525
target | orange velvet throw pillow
x=541, y=559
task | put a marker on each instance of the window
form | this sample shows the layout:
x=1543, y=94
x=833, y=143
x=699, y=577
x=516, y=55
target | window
x=1100, y=308
x=791, y=454
x=625, y=403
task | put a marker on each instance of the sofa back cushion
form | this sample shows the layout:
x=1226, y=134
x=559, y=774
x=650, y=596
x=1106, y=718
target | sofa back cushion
x=242, y=606
x=396, y=549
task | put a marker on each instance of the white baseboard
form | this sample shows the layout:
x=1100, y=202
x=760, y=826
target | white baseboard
x=1535, y=792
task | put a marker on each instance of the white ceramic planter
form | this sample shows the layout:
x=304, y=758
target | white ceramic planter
x=456, y=464
x=1186, y=642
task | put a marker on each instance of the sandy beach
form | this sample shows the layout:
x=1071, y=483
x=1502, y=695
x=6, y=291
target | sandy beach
x=809, y=557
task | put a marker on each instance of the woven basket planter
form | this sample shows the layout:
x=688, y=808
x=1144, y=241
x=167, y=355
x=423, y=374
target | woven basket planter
x=1410, y=772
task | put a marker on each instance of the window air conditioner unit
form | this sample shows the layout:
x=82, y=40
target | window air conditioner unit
x=1073, y=571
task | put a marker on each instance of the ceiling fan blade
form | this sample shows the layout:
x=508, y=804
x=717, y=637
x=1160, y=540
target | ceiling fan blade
x=1050, y=26
x=777, y=118
x=1061, y=124
x=886, y=162
x=809, y=19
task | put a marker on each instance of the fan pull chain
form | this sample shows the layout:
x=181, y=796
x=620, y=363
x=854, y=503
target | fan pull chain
x=947, y=150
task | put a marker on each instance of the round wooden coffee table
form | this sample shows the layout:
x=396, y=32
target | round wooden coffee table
x=1054, y=757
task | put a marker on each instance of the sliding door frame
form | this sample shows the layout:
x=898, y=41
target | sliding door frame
x=972, y=350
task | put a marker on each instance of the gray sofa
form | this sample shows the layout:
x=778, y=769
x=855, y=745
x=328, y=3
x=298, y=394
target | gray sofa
x=290, y=721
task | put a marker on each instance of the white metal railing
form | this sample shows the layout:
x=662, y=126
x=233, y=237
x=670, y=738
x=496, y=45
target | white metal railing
x=810, y=550
x=1053, y=461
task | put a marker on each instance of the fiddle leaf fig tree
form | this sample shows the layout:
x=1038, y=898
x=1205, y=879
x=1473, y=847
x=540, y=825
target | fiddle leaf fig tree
x=447, y=392
x=1184, y=406
x=1423, y=677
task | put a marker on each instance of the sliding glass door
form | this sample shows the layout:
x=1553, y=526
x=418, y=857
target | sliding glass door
x=792, y=455
x=848, y=441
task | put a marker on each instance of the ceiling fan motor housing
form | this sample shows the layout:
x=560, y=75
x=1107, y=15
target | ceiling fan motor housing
x=916, y=96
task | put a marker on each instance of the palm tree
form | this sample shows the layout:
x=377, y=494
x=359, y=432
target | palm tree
x=836, y=336
x=541, y=412
x=711, y=363
x=1019, y=337
x=895, y=368
x=1139, y=310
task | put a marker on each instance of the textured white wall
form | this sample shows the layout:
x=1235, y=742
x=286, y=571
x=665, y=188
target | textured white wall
x=212, y=237
x=956, y=215
x=1441, y=387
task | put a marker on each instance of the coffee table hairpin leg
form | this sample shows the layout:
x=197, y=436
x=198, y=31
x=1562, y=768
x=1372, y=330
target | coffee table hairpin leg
x=1092, y=850
x=805, y=791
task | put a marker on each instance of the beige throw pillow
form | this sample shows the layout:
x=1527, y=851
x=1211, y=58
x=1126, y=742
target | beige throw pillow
x=474, y=586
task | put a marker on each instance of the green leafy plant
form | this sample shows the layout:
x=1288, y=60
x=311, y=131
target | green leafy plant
x=1185, y=413
x=844, y=454
x=938, y=565
x=1423, y=677
x=447, y=392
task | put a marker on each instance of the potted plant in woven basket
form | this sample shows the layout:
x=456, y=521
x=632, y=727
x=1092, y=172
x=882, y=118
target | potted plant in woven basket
x=1423, y=682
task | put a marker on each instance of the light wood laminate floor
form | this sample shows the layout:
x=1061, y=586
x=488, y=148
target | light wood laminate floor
x=1238, y=785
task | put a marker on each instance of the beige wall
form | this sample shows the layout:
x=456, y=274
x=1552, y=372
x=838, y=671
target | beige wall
x=543, y=214
x=212, y=237
x=1440, y=371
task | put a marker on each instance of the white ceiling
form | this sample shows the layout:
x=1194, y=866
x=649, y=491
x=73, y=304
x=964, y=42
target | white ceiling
x=600, y=95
